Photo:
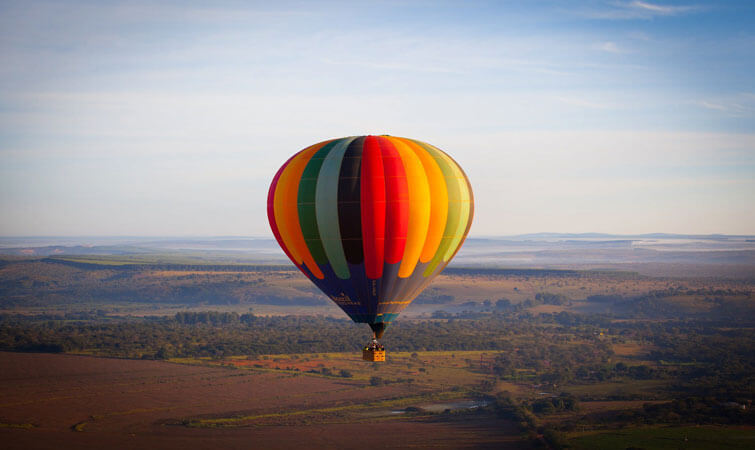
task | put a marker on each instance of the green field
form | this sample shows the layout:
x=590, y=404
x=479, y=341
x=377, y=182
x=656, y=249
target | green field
x=692, y=438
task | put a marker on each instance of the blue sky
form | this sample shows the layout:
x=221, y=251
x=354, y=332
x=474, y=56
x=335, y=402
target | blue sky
x=170, y=118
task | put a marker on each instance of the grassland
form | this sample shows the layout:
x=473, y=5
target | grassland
x=254, y=397
x=154, y=284
x=252, y=353
x=669, y=438
x=426, y=393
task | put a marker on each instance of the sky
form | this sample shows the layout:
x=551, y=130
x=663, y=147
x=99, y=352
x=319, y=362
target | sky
x=171, y=118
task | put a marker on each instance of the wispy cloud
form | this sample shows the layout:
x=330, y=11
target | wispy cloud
x=584, y=103
x=660, y=9
x=740, y=105
x=637, y=10
x=388, y=65
x=609, y=47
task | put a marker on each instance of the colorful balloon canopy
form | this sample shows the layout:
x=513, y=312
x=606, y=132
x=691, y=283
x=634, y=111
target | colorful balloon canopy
x=371, y=220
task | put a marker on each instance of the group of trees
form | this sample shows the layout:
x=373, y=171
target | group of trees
x=699, y=357
x=532, y=416
x=690, y=409
x=62, y=282
x=220, y=334
x=211, y=318
x=673, y=303
x=554, y=404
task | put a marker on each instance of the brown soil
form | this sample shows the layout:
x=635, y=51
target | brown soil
x=66, y=401
x=624, y=405
x=630, y=349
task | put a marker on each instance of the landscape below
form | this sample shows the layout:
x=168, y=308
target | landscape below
x=169, y=350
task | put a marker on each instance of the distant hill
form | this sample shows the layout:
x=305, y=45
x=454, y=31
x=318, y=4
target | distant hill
x=666, y=252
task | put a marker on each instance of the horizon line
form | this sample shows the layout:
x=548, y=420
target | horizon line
x=480, y=236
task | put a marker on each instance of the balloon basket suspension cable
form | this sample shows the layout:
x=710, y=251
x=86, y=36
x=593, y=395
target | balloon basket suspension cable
x=374, y=351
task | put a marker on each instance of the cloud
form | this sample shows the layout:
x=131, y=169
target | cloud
x=739, y=105
x=638, y=10
x=583, y=103
x=660, y=9
x=395, y=66
x=609, y=47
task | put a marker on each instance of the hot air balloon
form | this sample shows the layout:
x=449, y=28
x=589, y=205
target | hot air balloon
x=371, y=220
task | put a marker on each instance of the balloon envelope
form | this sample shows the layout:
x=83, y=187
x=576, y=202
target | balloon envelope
x=371, y=220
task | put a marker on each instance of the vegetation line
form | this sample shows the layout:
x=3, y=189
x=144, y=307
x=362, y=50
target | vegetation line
x=400, y=401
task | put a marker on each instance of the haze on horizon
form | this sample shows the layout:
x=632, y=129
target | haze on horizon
x=170, y=119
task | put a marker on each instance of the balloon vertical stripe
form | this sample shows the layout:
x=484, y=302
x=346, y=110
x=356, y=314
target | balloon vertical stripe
x=286, y=212
x=419, y=213
x=470, y=216
x=306, y=204
x=326, y=208
x=271, y=212
x=397, y=203
x=349, y=202
x=372, y=199
x=464, y=200
x=438, y=202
